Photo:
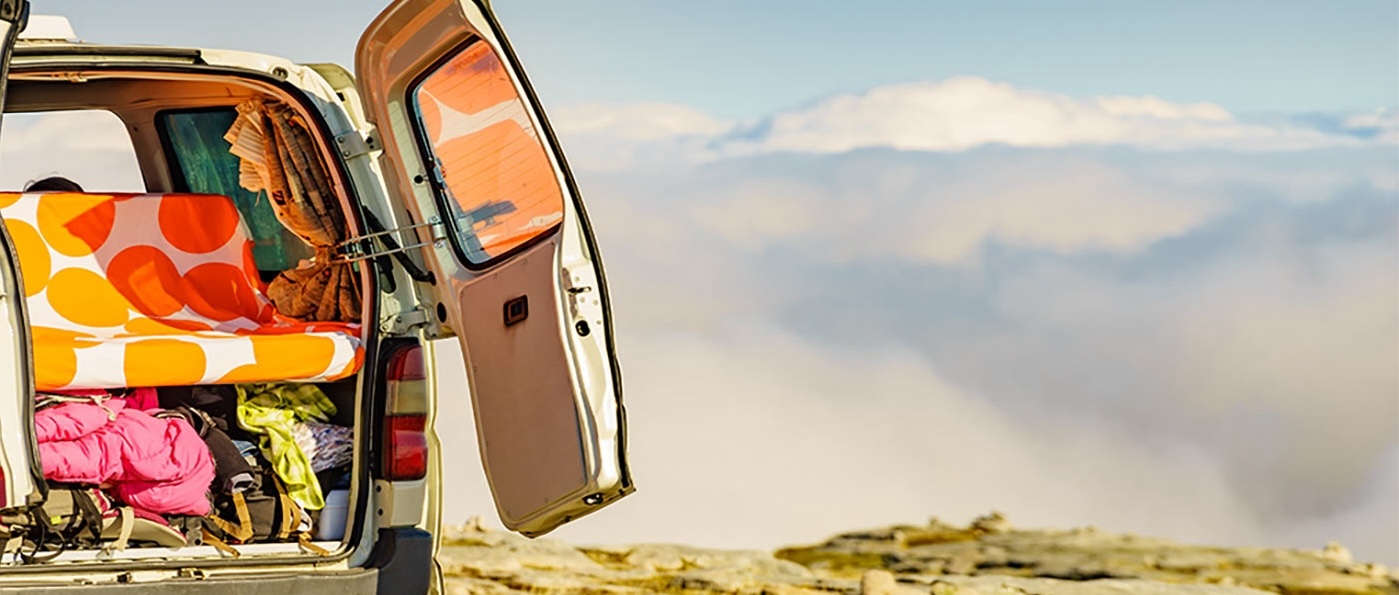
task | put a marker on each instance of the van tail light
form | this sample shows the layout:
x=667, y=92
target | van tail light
x=403, y=452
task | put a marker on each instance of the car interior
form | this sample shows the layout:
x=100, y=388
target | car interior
x=214, y=310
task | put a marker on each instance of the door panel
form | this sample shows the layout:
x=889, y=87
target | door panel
x=18, y=457
x=519, y=279
x=527, y=400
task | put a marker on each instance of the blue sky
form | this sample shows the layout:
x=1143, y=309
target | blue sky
x=744, y=59
x=1121, y=264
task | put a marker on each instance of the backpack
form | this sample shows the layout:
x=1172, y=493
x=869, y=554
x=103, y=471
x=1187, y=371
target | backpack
x=262, y=513
x=82, y=517
x=69, y=518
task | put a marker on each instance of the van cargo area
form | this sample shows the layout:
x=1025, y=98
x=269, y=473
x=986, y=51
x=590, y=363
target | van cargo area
x=198, y=351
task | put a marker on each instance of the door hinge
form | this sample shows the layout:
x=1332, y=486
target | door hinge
x=374, y=245
x=404, y=321
x=353, y=144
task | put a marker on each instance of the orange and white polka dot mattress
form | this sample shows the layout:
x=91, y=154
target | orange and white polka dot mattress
x=157, y=290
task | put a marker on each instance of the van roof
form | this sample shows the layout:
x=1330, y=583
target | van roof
x=47, y=27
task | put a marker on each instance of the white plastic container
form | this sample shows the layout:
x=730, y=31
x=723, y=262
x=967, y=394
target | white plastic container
x=331, y=526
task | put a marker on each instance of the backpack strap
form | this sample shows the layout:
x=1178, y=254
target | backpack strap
x=38, y=535
x=127, y=519
x=304, y=540
x=241, y=532
x=88, y=512
x=219, y=545
x=45, y=400
x=291, y=511
x=290, y=518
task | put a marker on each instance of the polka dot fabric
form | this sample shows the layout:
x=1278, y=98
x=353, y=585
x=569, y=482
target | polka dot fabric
x=157, y=290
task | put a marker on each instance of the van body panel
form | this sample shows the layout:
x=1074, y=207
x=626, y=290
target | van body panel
x=18, y=458
x=19, y=461
x=400, y=565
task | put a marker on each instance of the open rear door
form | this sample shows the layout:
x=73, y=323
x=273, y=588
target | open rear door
x=518, y=278
x=18, y=459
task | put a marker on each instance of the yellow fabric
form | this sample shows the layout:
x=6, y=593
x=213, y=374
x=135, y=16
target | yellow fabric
x=270, y=410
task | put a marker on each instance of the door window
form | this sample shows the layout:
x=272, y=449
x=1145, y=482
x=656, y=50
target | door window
x=493, y=175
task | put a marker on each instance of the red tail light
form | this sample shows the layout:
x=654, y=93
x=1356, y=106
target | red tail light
x=404, y=448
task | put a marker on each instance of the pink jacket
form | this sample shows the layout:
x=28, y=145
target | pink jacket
x=160, y=465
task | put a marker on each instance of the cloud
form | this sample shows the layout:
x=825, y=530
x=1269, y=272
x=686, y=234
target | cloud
x=639, y=122
x=1197, y=344
x=956, y=114
x=940, y=214
x=1381, y=125
x=946, y=208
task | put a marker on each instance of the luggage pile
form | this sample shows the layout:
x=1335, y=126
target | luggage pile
x=217, y=465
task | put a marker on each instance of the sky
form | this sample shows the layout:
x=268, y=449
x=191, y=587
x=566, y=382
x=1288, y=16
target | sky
x=744, y=59
x=1126, y=265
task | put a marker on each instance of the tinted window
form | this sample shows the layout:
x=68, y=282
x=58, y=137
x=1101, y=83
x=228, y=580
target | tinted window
x=205, y=166
x=496, y=178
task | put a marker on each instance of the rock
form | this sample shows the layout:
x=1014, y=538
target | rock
x=988, y=557
x=963, y=563
x=1336, y=552
x=991, y=523
x=882, y=582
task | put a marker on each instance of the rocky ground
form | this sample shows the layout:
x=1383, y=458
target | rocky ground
x=988, y=557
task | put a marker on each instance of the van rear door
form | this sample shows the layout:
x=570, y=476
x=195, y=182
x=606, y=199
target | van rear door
x=466, y=147
x=18, y=459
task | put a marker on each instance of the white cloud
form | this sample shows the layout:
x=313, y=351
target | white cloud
x=1155, y=107
x=610, y=136
x=638, y=122
x=947, y=216
x=1383, y=123
x=956, y=114
x=1199, y=346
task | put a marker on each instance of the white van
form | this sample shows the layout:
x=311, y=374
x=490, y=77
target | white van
x=305, y=227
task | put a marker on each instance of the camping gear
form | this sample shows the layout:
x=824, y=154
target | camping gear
x=271, y=410
x=265, y=512
x=160, y=465
x=327, y=445
x=232, y=473
x=331, y=524
x=84, y=517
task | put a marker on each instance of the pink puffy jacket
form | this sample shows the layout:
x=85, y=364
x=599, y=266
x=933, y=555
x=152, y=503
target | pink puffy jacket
x=155, y=464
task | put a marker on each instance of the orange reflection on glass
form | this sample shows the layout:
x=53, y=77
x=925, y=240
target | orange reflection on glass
x=492, y=161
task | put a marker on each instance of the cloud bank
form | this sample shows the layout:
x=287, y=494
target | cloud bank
x=939, y=298
x=863, y=338
x=951, y=115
